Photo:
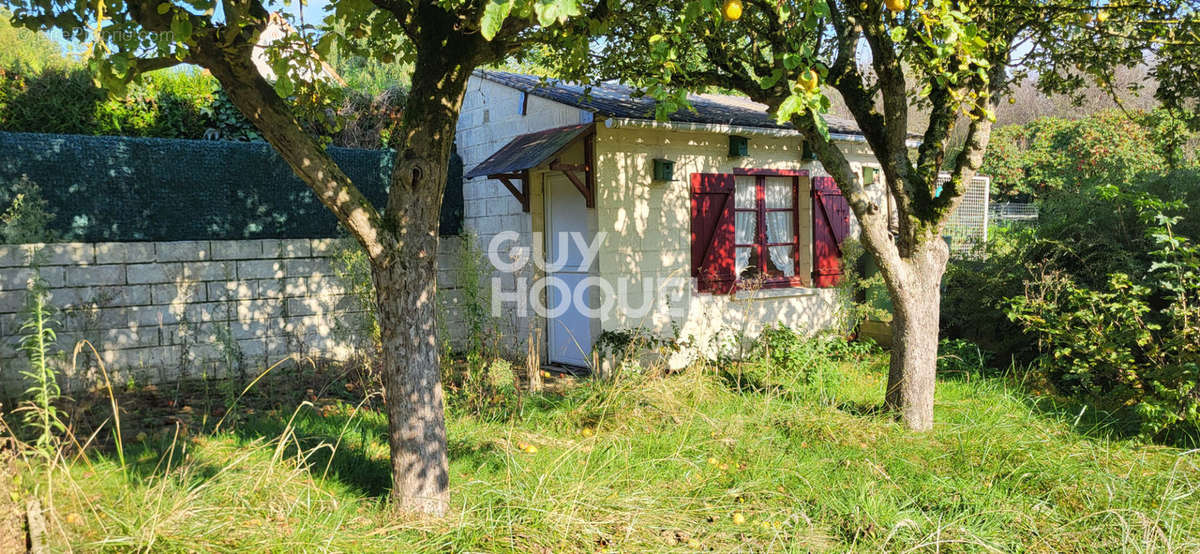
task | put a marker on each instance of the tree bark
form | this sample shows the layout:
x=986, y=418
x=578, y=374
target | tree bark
x=406, y=295
x=916, y=300
x=406, y=281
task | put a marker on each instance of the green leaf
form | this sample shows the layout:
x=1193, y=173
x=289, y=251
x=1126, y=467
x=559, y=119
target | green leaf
x=898, y=33
x=820, y=8
x=494, y=14
x=164, y=8
x=789, y=107
x=181, y=27
x=551, y=11
x=792, y=61
x=284, y=86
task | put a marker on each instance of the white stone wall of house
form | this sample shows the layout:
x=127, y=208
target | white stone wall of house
x=646, y=225
x=648, y=234
x=490, y=118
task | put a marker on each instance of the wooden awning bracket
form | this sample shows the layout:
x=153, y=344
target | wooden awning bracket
x=586, y=185
x=522, y=193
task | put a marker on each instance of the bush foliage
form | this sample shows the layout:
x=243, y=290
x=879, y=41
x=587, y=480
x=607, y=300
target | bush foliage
x=42, y=91
x=1111, y=147
x=1134, y=344
x=1099, y=300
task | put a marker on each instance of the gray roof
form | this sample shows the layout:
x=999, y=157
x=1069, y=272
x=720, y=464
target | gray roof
x=528, y=150
x=616, y=100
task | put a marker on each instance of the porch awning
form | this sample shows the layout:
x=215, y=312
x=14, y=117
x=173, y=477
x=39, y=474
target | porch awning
x=527, y=151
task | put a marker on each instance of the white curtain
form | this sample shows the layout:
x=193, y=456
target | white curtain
x=778, y=195
x=745, y=192
x=743, y=260
x=745, y=224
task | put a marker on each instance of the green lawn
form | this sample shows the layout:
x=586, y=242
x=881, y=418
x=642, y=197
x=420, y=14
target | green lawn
x=676, y=463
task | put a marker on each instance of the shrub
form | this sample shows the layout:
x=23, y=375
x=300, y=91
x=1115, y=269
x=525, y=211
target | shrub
x=958, y=356
x=26, y=219
x=1131, y=347
x=784, y=361
x=976, y=289
x=1054, y=154
x=1086, y=236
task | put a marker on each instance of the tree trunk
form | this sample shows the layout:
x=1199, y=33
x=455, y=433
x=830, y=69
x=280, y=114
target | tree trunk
x=406, y=280
x=916, y=300
x=412, y=380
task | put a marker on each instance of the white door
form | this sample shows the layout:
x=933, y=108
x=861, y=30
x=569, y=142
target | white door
x=569, y=333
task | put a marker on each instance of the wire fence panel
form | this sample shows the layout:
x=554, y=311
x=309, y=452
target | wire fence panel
x=1008, y=214
x=967, y=227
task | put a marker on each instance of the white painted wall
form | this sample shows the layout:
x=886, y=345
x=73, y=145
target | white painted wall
x=647, y=224
x=490, y=118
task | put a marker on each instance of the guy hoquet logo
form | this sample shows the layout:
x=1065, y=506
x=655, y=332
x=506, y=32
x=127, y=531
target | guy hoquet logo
x=571, y=281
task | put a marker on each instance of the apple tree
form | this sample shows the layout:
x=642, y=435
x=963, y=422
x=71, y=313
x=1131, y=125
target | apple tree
x=953, y=60
x=444, y=41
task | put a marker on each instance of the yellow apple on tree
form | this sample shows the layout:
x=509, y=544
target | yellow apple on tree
x=808, y=81
x=732, y=10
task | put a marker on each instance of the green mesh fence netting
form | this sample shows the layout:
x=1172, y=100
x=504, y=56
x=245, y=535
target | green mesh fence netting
x=147, y=189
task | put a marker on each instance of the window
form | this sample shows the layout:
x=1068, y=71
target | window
x=765, y=233
x=766, y=228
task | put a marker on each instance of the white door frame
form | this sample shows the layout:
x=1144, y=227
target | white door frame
x=569, y=338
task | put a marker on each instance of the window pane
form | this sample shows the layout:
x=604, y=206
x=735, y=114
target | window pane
x=744, y=194
x=781, y=262
x=743, y=259
x=778, y=192
x=745, y=227
x=779, y=227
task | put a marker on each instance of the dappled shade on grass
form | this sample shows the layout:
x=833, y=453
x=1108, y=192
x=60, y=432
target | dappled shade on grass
x=671, y=460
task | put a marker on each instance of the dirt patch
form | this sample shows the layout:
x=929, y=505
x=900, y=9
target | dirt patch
x=12, y=513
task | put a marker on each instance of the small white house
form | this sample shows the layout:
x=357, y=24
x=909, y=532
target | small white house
x=715, y=223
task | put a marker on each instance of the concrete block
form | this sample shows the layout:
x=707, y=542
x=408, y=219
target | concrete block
x=210, y=311
x=14, y=255
x=324, y=285
x=268, y=288
x=107, y=297
x=152, y=357
x=96, y=275
x=293, y=248
x=312, y=325
x=328, y=247
x=124, y=252
x=256, y=310
x=16, y=278
x=179, y=293
x=114, y=339
x=318, y=305
x=259, y=269
x=153, y=273
x=257, y=329
x=210, y=271
x=182, y=251
x=304, y=267
x=232, y=290
x=66, y=253
x=238, y=249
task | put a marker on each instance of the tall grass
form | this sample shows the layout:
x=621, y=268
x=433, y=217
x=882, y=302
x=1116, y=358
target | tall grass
x=37, y=337
x=683, y=462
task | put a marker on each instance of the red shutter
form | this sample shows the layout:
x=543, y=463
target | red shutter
x=831, y=225
x=712, y=232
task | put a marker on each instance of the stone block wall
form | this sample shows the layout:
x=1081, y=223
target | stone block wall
x=157, y=311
